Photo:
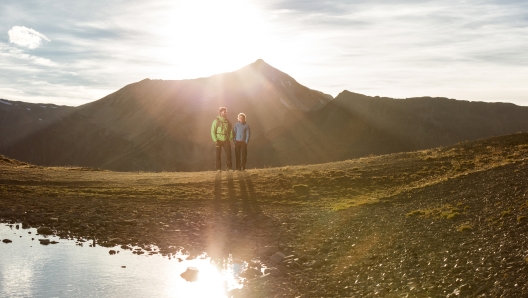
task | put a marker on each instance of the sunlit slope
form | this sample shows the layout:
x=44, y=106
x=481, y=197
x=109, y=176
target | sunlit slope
x=354, y=125
x=165, y=125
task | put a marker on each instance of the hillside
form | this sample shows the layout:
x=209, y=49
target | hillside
x=354, y=125
x=443, y=222
x=19, y=120
x=156, y=125
x=165, y=125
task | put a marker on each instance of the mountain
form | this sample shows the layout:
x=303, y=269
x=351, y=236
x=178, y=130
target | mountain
x=165, y=125
x=156, y=125
x=354, y=125
x=19, y=120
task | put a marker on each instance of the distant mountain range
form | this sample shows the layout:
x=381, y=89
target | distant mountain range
x=156, y=125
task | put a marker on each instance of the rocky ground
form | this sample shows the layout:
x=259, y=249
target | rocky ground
x=447, y=222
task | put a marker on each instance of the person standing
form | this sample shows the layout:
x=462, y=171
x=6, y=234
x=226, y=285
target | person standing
x=242, y=134
x=222, y=133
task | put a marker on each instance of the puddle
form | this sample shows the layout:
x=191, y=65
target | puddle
x=64, y=269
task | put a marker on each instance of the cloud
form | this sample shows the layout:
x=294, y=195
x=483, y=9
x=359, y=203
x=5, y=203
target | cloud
x=26, y=37
x=11, y=52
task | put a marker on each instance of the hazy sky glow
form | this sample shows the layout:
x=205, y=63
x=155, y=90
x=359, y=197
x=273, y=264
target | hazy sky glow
x=73, y=52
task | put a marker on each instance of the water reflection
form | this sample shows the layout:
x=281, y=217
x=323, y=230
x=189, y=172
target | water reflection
x=28, y=268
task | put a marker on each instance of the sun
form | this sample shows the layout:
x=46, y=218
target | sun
x=208, y=36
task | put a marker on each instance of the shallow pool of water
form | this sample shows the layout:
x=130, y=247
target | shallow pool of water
x=31, y=269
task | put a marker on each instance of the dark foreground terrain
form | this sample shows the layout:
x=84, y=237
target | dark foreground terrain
x=446, y=222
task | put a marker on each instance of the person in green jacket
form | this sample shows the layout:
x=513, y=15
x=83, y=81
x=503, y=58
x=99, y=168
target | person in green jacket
x=222, y=134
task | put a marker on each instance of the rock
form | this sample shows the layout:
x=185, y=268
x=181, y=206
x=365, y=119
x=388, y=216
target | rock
x=191, y=274
x=7, y=241
x=44, y=241
x=250, y=273
x=54, y=242
x=112, y=252
x=25, y=225
x=277, y=258
x=44, y=231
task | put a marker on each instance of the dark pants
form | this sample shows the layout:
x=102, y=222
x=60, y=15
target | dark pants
x=241, y=149
x=227, y=149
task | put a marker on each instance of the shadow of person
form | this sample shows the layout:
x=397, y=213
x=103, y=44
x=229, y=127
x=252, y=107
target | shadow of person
x=217, y=193
x=250, y=205
x=231, y=194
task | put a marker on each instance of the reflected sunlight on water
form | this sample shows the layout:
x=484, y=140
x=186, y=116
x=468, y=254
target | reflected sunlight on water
x=28, y=268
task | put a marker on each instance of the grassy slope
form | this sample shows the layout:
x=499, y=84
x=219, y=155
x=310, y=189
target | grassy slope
x=391, y=224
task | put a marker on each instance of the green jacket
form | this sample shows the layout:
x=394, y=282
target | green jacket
x=221, y=130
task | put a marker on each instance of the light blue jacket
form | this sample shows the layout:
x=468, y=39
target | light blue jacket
x=242, y=132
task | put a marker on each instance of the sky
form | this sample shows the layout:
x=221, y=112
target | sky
x=74, y=52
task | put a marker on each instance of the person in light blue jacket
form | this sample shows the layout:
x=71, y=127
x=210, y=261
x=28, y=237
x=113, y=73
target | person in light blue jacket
x=242, y=133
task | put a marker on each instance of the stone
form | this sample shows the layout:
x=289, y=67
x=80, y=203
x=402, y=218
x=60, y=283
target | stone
x=44, y=241
x=44, y=231
x=112, y=252
x=277, y=258
x=191, y=274
x=250, y=273
x=7, y=241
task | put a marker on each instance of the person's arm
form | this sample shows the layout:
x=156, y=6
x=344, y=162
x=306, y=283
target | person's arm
x=248, y=134
x=213, y=131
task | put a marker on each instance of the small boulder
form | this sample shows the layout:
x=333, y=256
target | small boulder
x=277, y=258
x=250, y=273
x=44, y=231
x=112, y=252
x=44, y=241
x=191, y=274
x=7, y=241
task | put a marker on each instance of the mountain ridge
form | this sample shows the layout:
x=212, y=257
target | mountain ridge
x=160, y=125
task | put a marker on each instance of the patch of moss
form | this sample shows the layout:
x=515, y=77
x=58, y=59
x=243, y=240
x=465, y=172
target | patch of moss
x=464, y=227
x=446, y=211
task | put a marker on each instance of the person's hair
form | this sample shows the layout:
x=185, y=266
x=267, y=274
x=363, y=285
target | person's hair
x=221, y=109
x=243, y=115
